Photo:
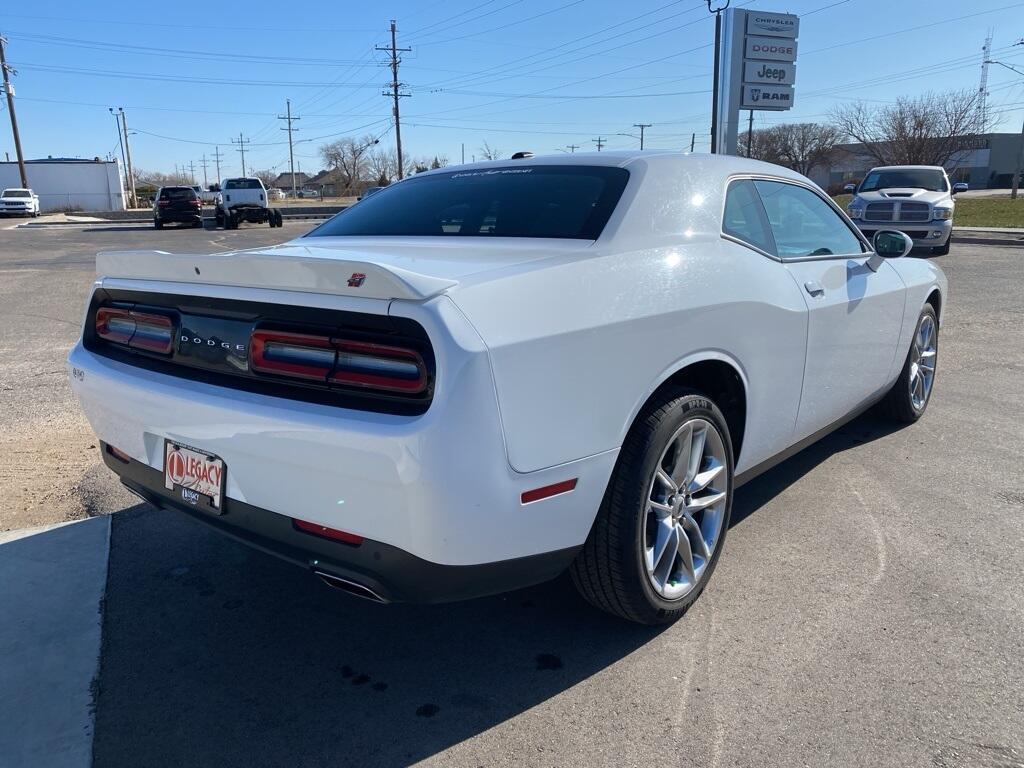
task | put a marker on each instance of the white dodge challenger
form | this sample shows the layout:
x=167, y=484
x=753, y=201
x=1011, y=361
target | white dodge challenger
x=482, y=376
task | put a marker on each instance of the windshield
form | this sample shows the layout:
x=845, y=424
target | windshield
x=242, y=184
x=17, y=193
x=571, y=201
x=933, y=180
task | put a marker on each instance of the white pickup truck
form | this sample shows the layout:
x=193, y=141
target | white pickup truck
x=17, y=201
x=245, y=199
x=914, y=199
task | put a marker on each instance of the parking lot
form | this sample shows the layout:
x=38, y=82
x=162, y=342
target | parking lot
x=867, y=611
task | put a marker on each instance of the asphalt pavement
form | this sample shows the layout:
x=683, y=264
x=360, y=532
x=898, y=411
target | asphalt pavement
x=867, y=610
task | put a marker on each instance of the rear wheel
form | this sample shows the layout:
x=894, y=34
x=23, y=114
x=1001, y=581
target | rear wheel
x=664, y=517
x=909, y=396
x=158, y=224
x=278, y=218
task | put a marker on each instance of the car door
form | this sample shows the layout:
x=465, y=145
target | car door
x=855, y=313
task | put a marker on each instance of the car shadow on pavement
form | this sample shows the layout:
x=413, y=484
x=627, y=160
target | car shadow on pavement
x=762, y=489
x=215, y=654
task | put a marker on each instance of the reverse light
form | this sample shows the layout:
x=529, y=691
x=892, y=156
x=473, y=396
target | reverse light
x=345, y=362
x=138, y=330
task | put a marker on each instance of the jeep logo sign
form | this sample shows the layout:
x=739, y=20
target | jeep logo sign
x=767, y=97
x=770, y=48
x=778, y=73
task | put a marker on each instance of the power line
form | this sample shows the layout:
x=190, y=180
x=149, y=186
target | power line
x=394, y=90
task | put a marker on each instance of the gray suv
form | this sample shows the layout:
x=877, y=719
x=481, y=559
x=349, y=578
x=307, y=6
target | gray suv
x=915, y=199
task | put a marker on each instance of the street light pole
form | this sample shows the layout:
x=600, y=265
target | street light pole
x=120, y=142
x=9, y=90
x=128, y=156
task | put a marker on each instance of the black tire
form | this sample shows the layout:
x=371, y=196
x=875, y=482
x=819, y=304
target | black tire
x=158, y=224
x=609, y=570
x=218, y=218
x=943, y=250
x=278, y=218
x=230, y=221
x=197, y=223
x=898, y=404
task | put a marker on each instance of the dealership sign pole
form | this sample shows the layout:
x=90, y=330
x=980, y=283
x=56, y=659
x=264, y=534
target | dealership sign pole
x=758, y=69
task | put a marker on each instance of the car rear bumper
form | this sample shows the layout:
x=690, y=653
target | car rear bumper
x=376, y=570
x=437, y=486
x=187, y=217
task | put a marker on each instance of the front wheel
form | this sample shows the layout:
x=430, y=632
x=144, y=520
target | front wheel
x=943, y=250
x=664, y=517
x=909, y=396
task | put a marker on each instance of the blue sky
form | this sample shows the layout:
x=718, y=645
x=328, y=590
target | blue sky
x=519, y=74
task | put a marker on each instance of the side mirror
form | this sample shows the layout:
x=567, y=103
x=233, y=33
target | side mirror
x=960, y=186
x=891, y=244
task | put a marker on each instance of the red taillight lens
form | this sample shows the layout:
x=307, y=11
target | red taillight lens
x=292, y=354
x=197, y=203
x=163, y=202
x=339, y=361
x=140, y=330
x=328, y=533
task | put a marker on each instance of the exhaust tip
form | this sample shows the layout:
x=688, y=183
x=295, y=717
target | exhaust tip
x=352, y=587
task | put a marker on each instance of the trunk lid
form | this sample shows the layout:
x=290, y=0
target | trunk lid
x=380, y=268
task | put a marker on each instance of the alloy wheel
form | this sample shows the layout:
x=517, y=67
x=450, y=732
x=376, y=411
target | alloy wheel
x=686, y=503
x=922, y=362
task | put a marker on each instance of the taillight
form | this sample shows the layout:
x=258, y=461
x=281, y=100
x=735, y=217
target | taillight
x=163, y=202
x=139, y=330
x=197, y=203
x=346, y=362
x=328, y=533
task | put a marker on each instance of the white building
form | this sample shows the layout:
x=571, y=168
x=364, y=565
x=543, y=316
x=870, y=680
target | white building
x=65, y=184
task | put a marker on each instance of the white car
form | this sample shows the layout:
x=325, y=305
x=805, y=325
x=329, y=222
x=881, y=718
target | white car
x=482, y=376
x=17, y=201
x=244, y=199
x=915, y=199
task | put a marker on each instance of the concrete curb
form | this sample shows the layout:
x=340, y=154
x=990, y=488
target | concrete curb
x=51, y=620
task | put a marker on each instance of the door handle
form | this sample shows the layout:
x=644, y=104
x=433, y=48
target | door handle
x=814, y=288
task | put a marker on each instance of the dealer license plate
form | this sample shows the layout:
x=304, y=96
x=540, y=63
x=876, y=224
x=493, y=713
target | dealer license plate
x=196, y=477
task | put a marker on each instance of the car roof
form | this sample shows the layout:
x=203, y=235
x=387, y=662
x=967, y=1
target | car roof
x=908, y=167
x=724, y=165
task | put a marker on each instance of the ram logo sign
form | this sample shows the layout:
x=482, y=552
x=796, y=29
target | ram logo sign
x=767, y=97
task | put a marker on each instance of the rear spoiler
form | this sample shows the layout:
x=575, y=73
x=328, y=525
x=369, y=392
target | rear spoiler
x=292, y=268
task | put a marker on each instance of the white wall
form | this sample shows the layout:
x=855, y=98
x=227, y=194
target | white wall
x=70, y=184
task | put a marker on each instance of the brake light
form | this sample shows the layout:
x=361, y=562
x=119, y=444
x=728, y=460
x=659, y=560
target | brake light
x=345, y=362
x=163, y=202
x=139, y=330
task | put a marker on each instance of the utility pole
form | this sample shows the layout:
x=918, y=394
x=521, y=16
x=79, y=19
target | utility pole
x=216, y=157
x=572, y=148
x=192, y=170
x=120, y=142
x=291, y=151
x=642, y=126
x=750, y=134
x=241, y=148
x=1020, y=165
x=206, y=184
x=9, y=89
x=693, y=141
x=395, y=91
x=600, y=142
x=128, y=156
x=714, y=88
x=463, y=153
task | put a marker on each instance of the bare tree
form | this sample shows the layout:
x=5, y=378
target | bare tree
x=439, y=161
x=160, y=179
x=764, y=144
x=487, y=152
x=267, y=177
x=802, y=146
x=926, y=130
x=351, y=158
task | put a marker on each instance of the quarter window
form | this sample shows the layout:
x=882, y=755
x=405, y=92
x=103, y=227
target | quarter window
x=744, y=216
x=802, y=224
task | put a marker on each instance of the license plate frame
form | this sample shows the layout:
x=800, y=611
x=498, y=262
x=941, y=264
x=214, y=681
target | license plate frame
x=195, y=476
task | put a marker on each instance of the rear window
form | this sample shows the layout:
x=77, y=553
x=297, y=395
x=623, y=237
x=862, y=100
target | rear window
x=242, y=184
x=17, y=193
x=571, y=201
x=178, y=193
